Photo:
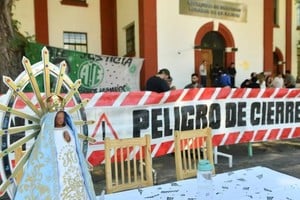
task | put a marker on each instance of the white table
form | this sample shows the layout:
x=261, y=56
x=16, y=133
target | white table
x=252, y=183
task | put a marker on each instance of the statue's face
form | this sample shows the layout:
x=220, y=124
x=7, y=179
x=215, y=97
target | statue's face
x=60, y=119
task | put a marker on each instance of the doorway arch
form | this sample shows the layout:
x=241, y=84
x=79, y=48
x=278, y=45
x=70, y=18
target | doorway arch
x=205, y=53
x=278, y=63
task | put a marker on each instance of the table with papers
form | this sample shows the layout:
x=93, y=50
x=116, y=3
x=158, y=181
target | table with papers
x=251, y=183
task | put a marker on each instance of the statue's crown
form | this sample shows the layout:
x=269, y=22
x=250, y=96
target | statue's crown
x=55, y=103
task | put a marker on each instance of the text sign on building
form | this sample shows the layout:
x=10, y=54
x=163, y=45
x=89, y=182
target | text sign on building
x=214, y=9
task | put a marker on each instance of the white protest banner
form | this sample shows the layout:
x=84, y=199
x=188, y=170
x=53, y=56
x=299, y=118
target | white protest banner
x=235, y=115
x=238, y=115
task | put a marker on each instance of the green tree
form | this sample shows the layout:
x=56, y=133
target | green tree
x=12, y=44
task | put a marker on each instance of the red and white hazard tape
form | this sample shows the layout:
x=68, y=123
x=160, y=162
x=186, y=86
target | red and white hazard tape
x=221, y=137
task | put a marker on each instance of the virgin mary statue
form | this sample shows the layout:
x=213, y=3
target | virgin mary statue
x=56, y=168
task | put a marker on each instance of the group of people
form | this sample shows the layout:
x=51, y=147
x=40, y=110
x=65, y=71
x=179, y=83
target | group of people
x=262, y=81
x=162, y=81
x=221, y=77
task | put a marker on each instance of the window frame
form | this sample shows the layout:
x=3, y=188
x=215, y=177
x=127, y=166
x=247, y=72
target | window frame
x=76, y=43
x=130, y=39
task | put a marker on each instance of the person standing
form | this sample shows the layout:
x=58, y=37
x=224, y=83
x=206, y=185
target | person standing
x=215, y=75
x=194, y=83
x=203, y=73
x=158, y=83
x=232, y=73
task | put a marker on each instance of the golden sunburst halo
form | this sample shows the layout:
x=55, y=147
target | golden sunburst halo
x=41, y=99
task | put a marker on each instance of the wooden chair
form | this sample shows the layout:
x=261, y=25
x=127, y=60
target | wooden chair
x=128, y=163
x=190, y=147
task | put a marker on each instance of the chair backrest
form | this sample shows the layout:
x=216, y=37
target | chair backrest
x=190, y=147
x=128, y=163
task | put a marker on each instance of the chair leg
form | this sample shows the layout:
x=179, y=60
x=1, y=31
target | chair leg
x=154, y=174
x=218, y=153
x=250, y=150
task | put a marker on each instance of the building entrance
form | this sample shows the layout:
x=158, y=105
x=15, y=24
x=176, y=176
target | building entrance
x=213, y=51
x=214, y=43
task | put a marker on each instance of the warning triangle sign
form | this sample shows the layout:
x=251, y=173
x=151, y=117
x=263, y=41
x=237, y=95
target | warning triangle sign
x=103, y=124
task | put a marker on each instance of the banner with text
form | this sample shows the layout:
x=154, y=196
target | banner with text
x=235, y=115
x=98, y=73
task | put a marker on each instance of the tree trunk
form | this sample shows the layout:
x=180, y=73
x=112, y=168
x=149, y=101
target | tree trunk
x=12, y=45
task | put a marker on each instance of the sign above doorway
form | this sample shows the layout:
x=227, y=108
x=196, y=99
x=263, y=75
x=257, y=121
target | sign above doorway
x=214, y=9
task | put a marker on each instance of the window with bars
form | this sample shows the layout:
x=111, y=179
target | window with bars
x=75, y=41
x=130, y=40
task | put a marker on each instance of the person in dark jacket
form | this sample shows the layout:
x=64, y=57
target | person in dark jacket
x=158, y=83
x=232, y=72
x=251, y=83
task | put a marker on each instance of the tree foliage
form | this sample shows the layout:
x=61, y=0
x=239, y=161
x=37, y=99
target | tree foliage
x=12, y=44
